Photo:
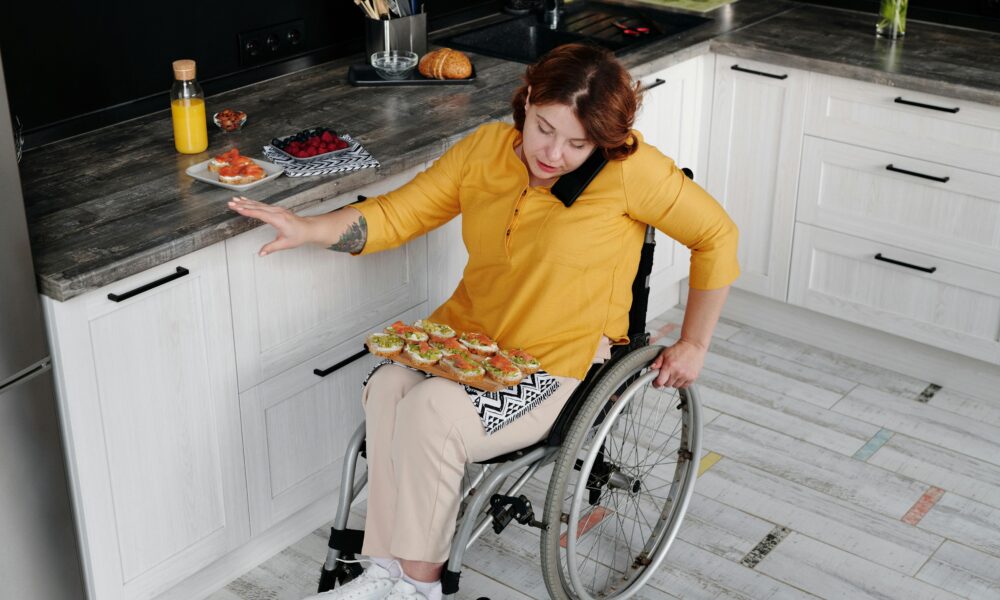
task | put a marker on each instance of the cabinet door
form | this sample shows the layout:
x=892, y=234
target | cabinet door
x=955, y=215
x=756, y=136
x=935, y=301
x=147, y=390
x=675, y=107
x=296, y=427
x=293, y=305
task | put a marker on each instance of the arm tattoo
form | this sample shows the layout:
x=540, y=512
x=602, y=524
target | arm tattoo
x=353, y=240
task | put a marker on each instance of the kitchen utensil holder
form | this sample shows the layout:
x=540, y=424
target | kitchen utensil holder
x=400, y=33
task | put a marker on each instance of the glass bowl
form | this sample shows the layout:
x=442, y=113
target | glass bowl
x=229, y=120
x=394, y=64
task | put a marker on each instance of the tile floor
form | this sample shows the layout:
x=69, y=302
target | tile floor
x=874, y=485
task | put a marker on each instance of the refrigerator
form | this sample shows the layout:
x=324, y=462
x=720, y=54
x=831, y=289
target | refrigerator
x=39, y=559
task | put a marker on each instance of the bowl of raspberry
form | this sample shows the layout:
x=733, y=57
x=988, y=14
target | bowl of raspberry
x=312, y=144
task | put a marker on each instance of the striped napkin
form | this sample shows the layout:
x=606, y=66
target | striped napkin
x=355, y=157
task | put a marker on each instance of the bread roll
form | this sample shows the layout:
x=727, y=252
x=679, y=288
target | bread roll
x=445, y=63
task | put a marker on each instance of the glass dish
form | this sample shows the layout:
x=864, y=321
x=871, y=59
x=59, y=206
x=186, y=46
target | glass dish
x=394, y=64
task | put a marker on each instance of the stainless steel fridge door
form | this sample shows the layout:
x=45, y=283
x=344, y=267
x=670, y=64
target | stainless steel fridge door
x=22, y=335
x=38, y=556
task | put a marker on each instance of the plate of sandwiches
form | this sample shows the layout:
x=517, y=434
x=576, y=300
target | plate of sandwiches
x=471, y=358
x=234, y=171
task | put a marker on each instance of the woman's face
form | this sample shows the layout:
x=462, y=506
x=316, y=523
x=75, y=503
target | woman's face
x=553, y=141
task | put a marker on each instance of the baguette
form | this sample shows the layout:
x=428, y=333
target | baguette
x=467, y=371
x=407, y=332
x=478, y=343
x=527, y=363
x=384, y=344
x=502, y=370
x=423, y=354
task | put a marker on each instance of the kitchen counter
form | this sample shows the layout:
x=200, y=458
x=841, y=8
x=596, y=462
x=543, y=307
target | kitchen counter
x=114, y=202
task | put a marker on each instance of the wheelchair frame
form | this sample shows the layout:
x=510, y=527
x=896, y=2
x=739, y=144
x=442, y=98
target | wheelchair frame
x=475, y=520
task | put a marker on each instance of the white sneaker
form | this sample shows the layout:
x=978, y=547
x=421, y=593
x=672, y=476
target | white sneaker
x=404, y=590
x=374, y=584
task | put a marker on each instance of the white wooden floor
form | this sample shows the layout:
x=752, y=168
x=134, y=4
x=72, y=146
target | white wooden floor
x=875, y=485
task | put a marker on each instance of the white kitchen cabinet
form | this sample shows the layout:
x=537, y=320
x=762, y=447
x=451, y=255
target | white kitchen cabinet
x=914, y=295
x=293, y=305
x=674, y=118
x=296, y=427
x=923, y=126
x=893, y=198
x=756, y=137
x=148, y=396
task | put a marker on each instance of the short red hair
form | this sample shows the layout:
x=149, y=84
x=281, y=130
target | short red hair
x=595, y=85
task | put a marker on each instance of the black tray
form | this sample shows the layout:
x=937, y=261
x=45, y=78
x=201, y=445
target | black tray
x=364, y=74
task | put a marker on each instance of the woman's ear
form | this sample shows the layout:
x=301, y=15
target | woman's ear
x=527, y=98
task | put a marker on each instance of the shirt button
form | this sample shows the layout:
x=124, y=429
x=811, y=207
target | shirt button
x=508, y=233
x=516, y=211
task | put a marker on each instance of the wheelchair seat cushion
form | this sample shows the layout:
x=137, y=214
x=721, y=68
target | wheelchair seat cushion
x=499, y=409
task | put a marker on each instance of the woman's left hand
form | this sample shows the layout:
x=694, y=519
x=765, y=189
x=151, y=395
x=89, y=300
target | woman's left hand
x=679, y=364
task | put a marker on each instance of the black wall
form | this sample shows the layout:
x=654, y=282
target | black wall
x=73, y=66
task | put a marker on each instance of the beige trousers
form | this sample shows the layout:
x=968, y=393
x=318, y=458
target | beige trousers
x=420, y=434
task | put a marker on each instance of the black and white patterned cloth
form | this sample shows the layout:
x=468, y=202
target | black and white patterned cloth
x=498, y=409
x=355, y=157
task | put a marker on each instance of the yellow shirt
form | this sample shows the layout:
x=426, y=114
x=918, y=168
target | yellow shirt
x=543, y=277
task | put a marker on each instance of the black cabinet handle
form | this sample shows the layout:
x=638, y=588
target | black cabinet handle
x=656, y=83
x=340, y=365
x=903, y=264
x=761, y=73
x=899, y=100
x=180, y=272
x=915, y=174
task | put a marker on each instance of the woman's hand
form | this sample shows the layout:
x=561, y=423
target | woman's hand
x=679, y=364
x=292, y=229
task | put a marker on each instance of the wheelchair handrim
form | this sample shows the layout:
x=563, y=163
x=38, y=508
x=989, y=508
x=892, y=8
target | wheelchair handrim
x=662, y=540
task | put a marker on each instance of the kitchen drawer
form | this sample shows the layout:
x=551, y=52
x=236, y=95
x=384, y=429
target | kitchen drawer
x=291, y=306
x=957, y=307
x=296, y=427
x=870, y=115
x=850, y=189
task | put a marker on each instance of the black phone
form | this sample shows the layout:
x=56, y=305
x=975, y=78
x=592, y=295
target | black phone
x=569, y=187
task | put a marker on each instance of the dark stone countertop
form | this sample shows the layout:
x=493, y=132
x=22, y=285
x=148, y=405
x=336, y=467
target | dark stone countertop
x=114, y=202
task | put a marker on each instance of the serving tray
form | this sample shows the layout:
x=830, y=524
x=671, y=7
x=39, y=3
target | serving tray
x=486, y=384
x=363, y=74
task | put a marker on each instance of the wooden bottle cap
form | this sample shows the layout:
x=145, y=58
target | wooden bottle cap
x=184, y=69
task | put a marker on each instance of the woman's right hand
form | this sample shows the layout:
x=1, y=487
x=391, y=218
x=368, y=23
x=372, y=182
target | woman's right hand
x=292, y=229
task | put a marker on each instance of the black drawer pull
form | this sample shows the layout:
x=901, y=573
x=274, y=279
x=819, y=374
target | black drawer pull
x=915, y=174
x=903, y=264
x=181, y=272
x=341, y=364
x=656, y=83
x=761, y=73
x=899, y=100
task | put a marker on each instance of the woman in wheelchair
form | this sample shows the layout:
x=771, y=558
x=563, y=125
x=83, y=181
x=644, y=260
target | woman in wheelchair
x=554, y=210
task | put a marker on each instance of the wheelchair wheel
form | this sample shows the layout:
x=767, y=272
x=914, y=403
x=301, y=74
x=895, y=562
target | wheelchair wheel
x=621, y=483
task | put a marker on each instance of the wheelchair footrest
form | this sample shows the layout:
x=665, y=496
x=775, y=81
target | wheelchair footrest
x=504, y=509
x=346, y=540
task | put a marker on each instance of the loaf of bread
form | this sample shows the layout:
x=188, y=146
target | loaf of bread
x=445, y=63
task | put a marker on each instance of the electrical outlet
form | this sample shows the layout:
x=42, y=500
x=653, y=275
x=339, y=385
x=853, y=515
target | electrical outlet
x=271, y=43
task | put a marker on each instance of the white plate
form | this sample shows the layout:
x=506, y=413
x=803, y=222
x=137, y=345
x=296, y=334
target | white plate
x=201, y=173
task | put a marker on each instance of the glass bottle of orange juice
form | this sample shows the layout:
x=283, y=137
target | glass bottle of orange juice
x=187, y=108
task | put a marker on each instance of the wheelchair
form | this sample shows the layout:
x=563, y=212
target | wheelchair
x=624, y=458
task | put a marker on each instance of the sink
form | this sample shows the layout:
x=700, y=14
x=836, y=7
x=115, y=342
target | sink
x=525, y=39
